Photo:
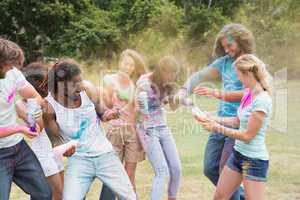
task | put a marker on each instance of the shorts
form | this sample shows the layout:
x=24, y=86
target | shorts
x=251, y=168
x=126, y=143
x=50, y=164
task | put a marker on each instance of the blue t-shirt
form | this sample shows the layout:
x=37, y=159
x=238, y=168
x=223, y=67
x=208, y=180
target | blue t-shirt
x=256, y=148
x=230, y=82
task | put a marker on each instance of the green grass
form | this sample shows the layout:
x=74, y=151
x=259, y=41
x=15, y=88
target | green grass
x=284, y=174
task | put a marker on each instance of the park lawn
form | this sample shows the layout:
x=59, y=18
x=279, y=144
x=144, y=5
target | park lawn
x=284, y=174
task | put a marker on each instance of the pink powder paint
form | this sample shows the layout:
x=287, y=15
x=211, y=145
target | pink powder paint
x=247, y=98
x=12, y=95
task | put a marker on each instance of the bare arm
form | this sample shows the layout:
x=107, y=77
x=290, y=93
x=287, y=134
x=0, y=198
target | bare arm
x=107, y=95
x=231, y=96
x=233, y=122
x=205, y=74
x=29, y=92
x=51, y=126
x=10, y=130
x=254, y=124
x=96, y=96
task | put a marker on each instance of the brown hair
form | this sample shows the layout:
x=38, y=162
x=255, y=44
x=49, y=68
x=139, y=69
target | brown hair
x=140, y=64
x=250, y=63
x=36, y=74
x=240, y=34
x=10, y=53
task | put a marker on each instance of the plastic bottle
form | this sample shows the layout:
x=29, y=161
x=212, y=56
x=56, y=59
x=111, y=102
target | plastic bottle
x=32, y=107
x=143, y=100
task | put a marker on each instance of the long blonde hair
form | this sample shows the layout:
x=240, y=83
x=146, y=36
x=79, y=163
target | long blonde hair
x=238, y=33
x=139, y=61
x=250, y=63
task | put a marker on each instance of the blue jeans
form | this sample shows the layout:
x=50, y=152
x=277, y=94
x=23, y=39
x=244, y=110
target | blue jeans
x=251, y=168
x=81, y=172
x=217, y=151
x=107, y=193
x=19, y=164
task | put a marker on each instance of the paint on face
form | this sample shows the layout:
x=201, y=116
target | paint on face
x=230, y=47
x=229, y=39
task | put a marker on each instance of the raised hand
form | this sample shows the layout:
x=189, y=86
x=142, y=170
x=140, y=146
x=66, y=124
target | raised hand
x=110, y=115
x=28, y=133
x=206, y=91
x=70, y=151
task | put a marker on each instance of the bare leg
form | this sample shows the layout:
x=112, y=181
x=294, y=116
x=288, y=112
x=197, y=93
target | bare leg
x=254, y=190
x=130, y=168
x=229, y=181
x=56, y=182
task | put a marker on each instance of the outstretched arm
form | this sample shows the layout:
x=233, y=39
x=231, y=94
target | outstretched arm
x=97, y=97
x=204, y=74
x=231, y=96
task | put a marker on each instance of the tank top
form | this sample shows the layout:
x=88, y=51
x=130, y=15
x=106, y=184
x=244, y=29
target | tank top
x=81, y=124
x=122, y=99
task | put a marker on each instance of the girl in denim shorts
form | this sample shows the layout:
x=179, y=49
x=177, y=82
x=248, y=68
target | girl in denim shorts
x=249, y=162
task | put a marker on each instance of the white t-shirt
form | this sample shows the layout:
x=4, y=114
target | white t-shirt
x=13, y=82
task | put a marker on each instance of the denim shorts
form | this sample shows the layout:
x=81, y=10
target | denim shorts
x=251, y=168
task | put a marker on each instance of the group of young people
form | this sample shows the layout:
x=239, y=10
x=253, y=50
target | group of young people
x=131, y=102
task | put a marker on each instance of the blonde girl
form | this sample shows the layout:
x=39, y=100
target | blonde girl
x=249, y=162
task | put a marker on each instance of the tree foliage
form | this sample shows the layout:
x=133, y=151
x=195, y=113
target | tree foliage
x=95, y=28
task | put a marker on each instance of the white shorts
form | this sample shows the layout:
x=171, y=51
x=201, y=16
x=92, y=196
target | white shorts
x=42, y=148
x=50, y=164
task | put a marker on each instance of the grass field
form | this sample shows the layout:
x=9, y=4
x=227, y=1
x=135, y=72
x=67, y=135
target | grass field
x=284, y=174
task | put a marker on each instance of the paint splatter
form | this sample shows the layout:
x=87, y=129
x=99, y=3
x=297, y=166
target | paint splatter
x=82, y=128
x=12, y=95
x=229, y=38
